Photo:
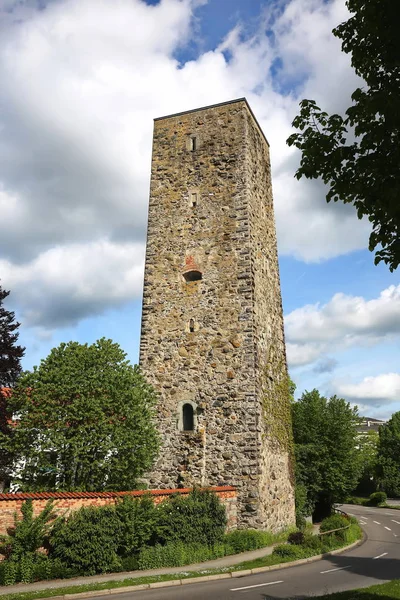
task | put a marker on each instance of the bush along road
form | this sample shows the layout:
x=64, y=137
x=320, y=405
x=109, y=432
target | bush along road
x=377, y=560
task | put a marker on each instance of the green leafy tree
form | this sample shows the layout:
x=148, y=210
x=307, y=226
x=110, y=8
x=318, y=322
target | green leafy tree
x=325, y=433
x=357, y=155
x=389, y=456
x=84, y=420
x=10, y=352
x=10, y=368
x=6, y=431
x=367, y=450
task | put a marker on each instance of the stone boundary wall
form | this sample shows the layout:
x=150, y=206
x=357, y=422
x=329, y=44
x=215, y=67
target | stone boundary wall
x=69, y=501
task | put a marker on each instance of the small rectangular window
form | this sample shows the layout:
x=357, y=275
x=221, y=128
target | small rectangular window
x=193, y=199
x=193, y=143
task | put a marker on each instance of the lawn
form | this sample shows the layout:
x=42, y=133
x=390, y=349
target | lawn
x=387, y=591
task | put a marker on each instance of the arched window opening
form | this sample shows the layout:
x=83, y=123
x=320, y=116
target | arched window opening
x=193, y=275
x=188, y=417
x=193, y=199
x=191, y=271
x=191, y=326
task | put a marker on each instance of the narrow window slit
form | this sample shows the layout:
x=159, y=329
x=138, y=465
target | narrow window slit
x=188, y=417
x=191, y=326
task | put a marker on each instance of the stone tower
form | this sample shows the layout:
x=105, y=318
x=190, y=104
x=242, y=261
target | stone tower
x=212, y=341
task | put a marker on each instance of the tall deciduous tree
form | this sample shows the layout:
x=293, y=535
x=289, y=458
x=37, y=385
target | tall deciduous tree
x=367, y=447
x=84, y=420
x=10, y=352
x=389, y=456
x=325, y=433
x=10, y=368
x=358, y=155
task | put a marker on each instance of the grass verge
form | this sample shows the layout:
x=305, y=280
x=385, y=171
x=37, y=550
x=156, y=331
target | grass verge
x=389, y=591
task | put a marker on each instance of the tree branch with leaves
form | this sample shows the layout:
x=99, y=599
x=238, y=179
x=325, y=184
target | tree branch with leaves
x=358, y=155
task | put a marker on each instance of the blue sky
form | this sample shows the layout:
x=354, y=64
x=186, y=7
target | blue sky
x=81, y=81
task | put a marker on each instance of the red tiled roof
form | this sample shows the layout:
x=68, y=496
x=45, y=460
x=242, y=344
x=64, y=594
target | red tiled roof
x=70, y=495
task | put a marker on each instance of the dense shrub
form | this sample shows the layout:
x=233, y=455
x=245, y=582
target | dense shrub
x=377, y=498
x=313, y=542
x=199, y=518
x=137, y=524
x=129, y=563
x=28, y=534
x=178, y=554
x=296, y=538
x=88, y=540
x=20, y=546
x=334, y=522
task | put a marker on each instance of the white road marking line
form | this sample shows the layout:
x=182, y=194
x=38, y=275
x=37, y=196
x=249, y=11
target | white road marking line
x=398, y=522
x=388, y=528
x=363, y=523
x=377, y=522
x=337, y=569
x=248, y=587
x=380, y=556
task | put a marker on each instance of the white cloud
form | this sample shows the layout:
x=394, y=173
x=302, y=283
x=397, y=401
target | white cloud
x=372, y=391
x=343, y=322
x=67, y=283
x=81, y=81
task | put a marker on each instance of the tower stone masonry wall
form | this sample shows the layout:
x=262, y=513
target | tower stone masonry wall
x=217, y=342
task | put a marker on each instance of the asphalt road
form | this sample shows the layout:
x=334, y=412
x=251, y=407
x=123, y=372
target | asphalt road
x=375, y=561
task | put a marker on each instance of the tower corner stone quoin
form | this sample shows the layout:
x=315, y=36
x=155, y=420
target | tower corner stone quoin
x=212, y=340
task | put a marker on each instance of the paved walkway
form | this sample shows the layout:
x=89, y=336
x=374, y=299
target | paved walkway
x=218, y=563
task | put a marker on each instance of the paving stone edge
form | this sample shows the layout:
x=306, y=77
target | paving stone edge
x=189, y=580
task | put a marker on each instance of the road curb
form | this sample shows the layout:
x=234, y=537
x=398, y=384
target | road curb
x=189, y=580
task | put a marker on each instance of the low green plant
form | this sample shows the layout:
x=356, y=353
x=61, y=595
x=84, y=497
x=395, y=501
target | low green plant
x=242, y=540
x=291, y=551
x=356, y=500
x=333, y=522
x=40, y=569
x=377, y=498
x=177, y=554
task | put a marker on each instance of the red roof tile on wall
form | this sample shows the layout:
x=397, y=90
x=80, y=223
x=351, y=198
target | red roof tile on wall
x=136, y=493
